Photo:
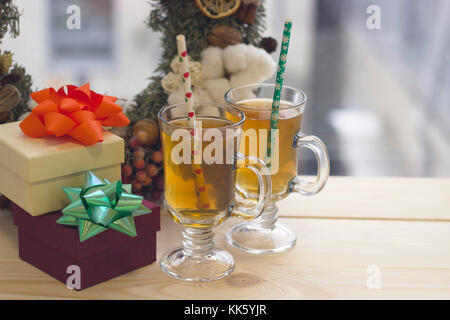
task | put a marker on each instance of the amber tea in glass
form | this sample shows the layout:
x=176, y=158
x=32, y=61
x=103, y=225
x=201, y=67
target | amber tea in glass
x=200, y=167
x=265, y=234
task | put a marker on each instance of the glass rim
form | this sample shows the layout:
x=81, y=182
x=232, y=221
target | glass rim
x=299, y=104
x=216, y=104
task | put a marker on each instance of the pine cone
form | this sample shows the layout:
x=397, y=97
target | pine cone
x=223, y=36
x=269, y=44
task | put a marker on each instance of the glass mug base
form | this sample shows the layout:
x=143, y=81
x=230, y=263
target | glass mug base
x=191, y=267
x=251, y=238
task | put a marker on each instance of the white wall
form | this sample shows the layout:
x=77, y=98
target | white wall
x=137, y=49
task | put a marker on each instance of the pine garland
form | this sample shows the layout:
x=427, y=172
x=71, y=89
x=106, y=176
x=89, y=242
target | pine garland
x=23, y=82
x=9, y=19
x=172, y=17
x=15, y=75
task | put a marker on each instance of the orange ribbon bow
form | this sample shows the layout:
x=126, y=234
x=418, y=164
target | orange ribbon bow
x=80, y=113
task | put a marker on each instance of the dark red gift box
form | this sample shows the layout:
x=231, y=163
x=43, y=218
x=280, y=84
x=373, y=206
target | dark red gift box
x=54, y=248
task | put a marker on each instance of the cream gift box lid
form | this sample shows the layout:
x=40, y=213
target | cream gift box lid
x=38, y=159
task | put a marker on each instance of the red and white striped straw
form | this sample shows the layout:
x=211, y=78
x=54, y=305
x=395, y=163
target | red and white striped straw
x=197, y=171
x=188, y=96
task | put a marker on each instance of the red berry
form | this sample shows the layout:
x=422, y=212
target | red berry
x=139, y=164
x=134, y=143
x=152, y=170
x=139, y=153
x=157, y=156
x=147, y=181
x=141, y=176
x=136, y=186
x=156, y=195
x=126, y=180
x=127, y=170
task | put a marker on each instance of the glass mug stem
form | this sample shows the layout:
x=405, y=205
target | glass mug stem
x=268, y=218
x=198, y=242
x=264, y=235
x=197, y=259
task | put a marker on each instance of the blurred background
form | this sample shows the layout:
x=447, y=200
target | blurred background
x=377, y=73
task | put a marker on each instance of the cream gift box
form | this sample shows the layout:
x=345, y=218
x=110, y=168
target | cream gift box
x=33, y=171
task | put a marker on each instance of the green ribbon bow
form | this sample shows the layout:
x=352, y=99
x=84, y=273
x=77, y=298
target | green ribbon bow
x=101, y=205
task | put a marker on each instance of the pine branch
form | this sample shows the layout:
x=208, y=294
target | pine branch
x=172, y=17
x=9, y=19
x=16, y=75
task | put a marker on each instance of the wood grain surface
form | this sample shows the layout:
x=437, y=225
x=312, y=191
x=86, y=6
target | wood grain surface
x=332, y=259
x=374, y=198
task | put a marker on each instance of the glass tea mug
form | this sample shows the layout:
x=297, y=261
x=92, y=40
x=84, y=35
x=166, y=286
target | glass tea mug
x=199, y=185
x=265, y=234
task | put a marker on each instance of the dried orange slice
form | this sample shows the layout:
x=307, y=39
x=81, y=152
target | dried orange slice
x=216, y=9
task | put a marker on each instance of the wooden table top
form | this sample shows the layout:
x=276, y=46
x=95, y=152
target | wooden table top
x=356, y=232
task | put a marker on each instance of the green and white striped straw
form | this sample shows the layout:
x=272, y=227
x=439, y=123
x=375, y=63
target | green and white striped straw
x=278, y=88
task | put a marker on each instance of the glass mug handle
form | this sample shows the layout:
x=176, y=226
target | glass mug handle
x=316, y=145
x=244, y=210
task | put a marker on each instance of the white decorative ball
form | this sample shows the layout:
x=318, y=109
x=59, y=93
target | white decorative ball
x=236, y=58
x=212, y=62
